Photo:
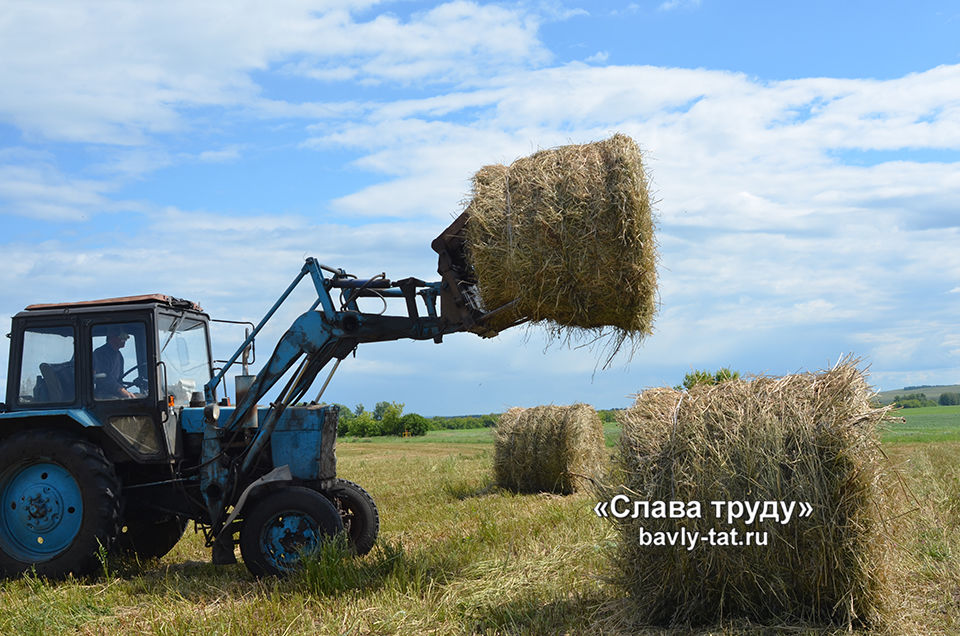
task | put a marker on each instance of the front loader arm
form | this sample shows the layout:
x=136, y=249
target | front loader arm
x=312, y=341
x=326, y=332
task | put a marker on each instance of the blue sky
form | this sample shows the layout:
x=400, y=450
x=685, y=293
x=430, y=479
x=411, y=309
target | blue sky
x=806, y=157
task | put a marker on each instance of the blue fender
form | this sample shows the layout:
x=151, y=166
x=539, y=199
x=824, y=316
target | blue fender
x=81, y=416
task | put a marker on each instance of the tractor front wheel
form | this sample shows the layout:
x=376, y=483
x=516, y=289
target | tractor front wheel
x=59, y=504
x=358, y=513
x=282, y=526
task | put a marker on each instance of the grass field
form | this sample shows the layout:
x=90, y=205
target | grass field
x=464, y=436
x=929, y=424
x=459, y=556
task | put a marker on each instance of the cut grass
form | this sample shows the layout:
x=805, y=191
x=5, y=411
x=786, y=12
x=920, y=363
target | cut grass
x=611, y=434
x=456, y=556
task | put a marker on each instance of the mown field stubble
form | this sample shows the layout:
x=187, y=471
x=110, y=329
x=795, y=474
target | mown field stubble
x=458, y=555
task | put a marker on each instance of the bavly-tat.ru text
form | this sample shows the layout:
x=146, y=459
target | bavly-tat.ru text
x=690, y=539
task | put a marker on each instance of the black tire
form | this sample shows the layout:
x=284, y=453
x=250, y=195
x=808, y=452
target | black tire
x=361, y=521
x=149, y=534
x=59, y=504
x=282, y=525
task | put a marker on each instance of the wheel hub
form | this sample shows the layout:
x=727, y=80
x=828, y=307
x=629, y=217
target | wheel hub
x=43, y=506
x=287, y=537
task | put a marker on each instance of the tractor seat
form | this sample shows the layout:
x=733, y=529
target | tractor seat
x=52, y=380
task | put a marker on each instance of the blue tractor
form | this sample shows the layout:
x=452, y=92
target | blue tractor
x=113, y=436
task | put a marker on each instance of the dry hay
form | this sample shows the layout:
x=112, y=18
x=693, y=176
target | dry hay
x=804, y=438
x=568, y=234
x=549, y=448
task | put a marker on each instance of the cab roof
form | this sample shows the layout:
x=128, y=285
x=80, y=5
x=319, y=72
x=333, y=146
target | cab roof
x=177, y=303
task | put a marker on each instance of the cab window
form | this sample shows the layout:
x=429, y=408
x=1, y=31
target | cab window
x=119, y=361
x=47, y=367
x=184, y=353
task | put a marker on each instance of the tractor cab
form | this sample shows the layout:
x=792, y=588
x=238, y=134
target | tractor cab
x=121, y=366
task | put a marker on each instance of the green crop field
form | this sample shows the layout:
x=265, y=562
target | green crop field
x=929, y=424
x=459, y=556
x=447, y=436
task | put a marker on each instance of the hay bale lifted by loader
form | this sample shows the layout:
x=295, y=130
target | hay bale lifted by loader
x=563, y=238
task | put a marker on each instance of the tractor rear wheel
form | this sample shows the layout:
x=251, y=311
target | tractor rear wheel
x=358, y=513
x=149, y=534
x=59, y=504
x=282, y=526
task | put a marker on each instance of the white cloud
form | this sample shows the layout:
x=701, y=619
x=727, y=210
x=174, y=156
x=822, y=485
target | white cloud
x=756, y=166
x=229, y=153
x=913, y=344
x=122, y=164
x=671, y=5
x=40, y=191
x=117, y=73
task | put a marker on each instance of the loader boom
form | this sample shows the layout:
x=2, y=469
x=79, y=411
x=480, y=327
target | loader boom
x=319, y=335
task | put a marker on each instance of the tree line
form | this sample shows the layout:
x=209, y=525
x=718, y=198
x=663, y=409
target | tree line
x=388, y=418
x=917, y=400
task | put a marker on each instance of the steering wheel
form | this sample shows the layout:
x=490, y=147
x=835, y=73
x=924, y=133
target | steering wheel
x=141, y=382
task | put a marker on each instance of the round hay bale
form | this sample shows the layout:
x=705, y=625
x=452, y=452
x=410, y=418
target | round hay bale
x=801, y=438
x=549, y=448
x=567, y=235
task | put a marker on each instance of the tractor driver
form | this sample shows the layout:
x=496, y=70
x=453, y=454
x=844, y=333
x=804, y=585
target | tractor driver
x=108, y=366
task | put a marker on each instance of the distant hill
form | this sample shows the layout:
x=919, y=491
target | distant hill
x=932, y=392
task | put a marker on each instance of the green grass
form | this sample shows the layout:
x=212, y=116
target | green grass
x=611, y=433
x=445, y=436
x=929, y=424
x=457, y=555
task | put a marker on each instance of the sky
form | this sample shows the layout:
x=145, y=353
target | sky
x=805, y=157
